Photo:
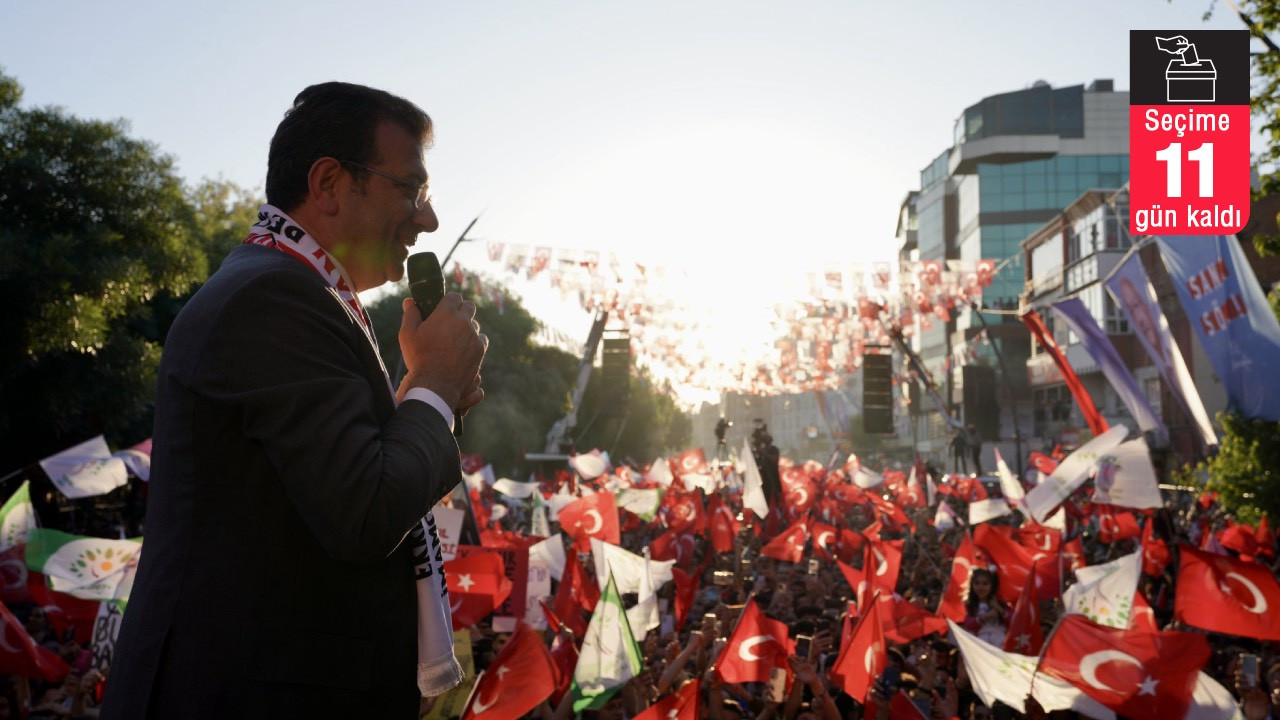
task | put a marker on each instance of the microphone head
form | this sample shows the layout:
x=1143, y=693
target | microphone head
x=424, y=266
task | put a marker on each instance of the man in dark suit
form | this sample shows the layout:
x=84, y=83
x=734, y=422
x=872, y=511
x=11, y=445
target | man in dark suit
x=276, y=579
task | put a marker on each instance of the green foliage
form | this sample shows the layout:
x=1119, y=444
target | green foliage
x=94, y=226
x=1246, y=471
x=651, y=424
x=527, y=387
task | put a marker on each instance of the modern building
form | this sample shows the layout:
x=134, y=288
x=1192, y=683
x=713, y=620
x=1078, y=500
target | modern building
x=1019, y=158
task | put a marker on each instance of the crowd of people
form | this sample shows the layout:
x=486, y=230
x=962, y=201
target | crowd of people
x=811, y=594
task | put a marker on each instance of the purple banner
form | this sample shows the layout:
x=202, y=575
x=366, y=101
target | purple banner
x=1231, y=316
x=1132, y=291
x=1073, y=312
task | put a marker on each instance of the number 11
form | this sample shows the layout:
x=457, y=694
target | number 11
x=1172, y=157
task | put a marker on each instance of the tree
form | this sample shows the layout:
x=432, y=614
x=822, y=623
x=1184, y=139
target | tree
x=651, y=424
x=1246, y=470
x=94, y=226
x=526, y=386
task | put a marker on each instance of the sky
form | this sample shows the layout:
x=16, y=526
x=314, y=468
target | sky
x=739, y=141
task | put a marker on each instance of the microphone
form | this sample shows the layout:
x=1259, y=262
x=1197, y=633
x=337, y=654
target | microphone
x=426, y=284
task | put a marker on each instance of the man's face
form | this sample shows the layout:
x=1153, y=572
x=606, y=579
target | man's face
x=381, y=218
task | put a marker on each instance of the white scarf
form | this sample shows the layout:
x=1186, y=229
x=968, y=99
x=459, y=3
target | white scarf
x=438, y=669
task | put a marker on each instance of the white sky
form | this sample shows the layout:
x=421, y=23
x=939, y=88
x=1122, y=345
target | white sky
x=743, y=140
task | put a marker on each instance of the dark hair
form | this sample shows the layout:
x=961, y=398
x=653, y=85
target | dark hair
x=971, y=602
x=337, y=120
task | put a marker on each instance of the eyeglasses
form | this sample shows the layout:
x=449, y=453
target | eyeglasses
x=419, y=191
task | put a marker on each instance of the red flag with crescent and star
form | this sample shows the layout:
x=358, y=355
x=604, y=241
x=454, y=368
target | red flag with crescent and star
x=882, y=564
x=679, y=705
x=724, y=524
x=577, y=592
x=19, y=654
x=962, y=566
x=477, y=585
x=1226, y=595
x=863, y=658
x=788, y=546
x=826, y=539
x=594, y=516
x=757, y=646
x=1024, y=635
x=1140, y=675
x=689, y=462
x=519, y=678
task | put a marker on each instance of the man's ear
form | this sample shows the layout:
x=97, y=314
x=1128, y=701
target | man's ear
x=324, y=181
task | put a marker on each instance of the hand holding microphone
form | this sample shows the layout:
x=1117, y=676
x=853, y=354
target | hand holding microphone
x=444, y=351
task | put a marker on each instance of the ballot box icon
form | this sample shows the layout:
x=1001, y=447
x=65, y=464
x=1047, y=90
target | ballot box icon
x=1191, y=83
x=1189, y=78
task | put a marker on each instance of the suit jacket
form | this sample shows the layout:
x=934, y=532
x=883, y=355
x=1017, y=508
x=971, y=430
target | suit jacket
x=273, y=582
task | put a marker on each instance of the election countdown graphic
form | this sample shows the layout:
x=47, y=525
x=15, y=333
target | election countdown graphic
x=1188, y=132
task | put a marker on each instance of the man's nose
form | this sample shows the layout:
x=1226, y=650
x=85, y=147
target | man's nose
x=425, y=218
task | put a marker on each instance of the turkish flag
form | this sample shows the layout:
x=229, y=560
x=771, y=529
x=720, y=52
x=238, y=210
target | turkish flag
x=1073, y=557
x=577, y=592
x=673, y=545
x=1143, y=617
x=799, y=494
x=682, y=511
x=882, y=564
x=1013, y=563
x=1043, y=463
x=724, y=525
x=1116, y=526
x=679, y=705
x=14, y=574
x=1024, y=635
x=1155, y=553
x=478, y=584
x=889, y=511
x=689, y=462
x=758, y=645
x=1038, y=538
x=565, y=656
x=962, y=566
x=851, y=544
x=901, y=708
x=904, y=622
x=826, y=539
x=64, y=611
x=594, y=516
x=1265, y=537
x=1241, y=539
x=863, y=658
x=518, y=680
x=1227, y=595
x=789, y=545
x=857, y=583
x=19, y=654
x=686, y=594
x=1139, y=675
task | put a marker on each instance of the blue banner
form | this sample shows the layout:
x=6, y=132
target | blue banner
x=1095, y=341
x=1231, y=316
x=1132, y=291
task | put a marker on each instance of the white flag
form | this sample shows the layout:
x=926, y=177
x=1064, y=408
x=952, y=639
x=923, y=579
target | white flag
x=1070, y=474
x=989, y=509
x=999, y=676
x=627, y=567
x=17, y=517
x=753, y=485
x=609, y=656
x=1104, y=593
x=86, y=567
x=660, y=472
x=589, y=466
x=945, y=517
x=514, y=489
x=1126, y=478
x=550, y=551
x=1009, y=485
x=644, y=616
x=86, y=470
x=643, y=503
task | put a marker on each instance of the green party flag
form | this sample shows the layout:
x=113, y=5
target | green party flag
x=609, y=656
x=84, y=567
x=17, y=517
x=641, y=502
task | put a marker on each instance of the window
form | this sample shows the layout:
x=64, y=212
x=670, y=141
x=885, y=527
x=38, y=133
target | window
x=1116, y=322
